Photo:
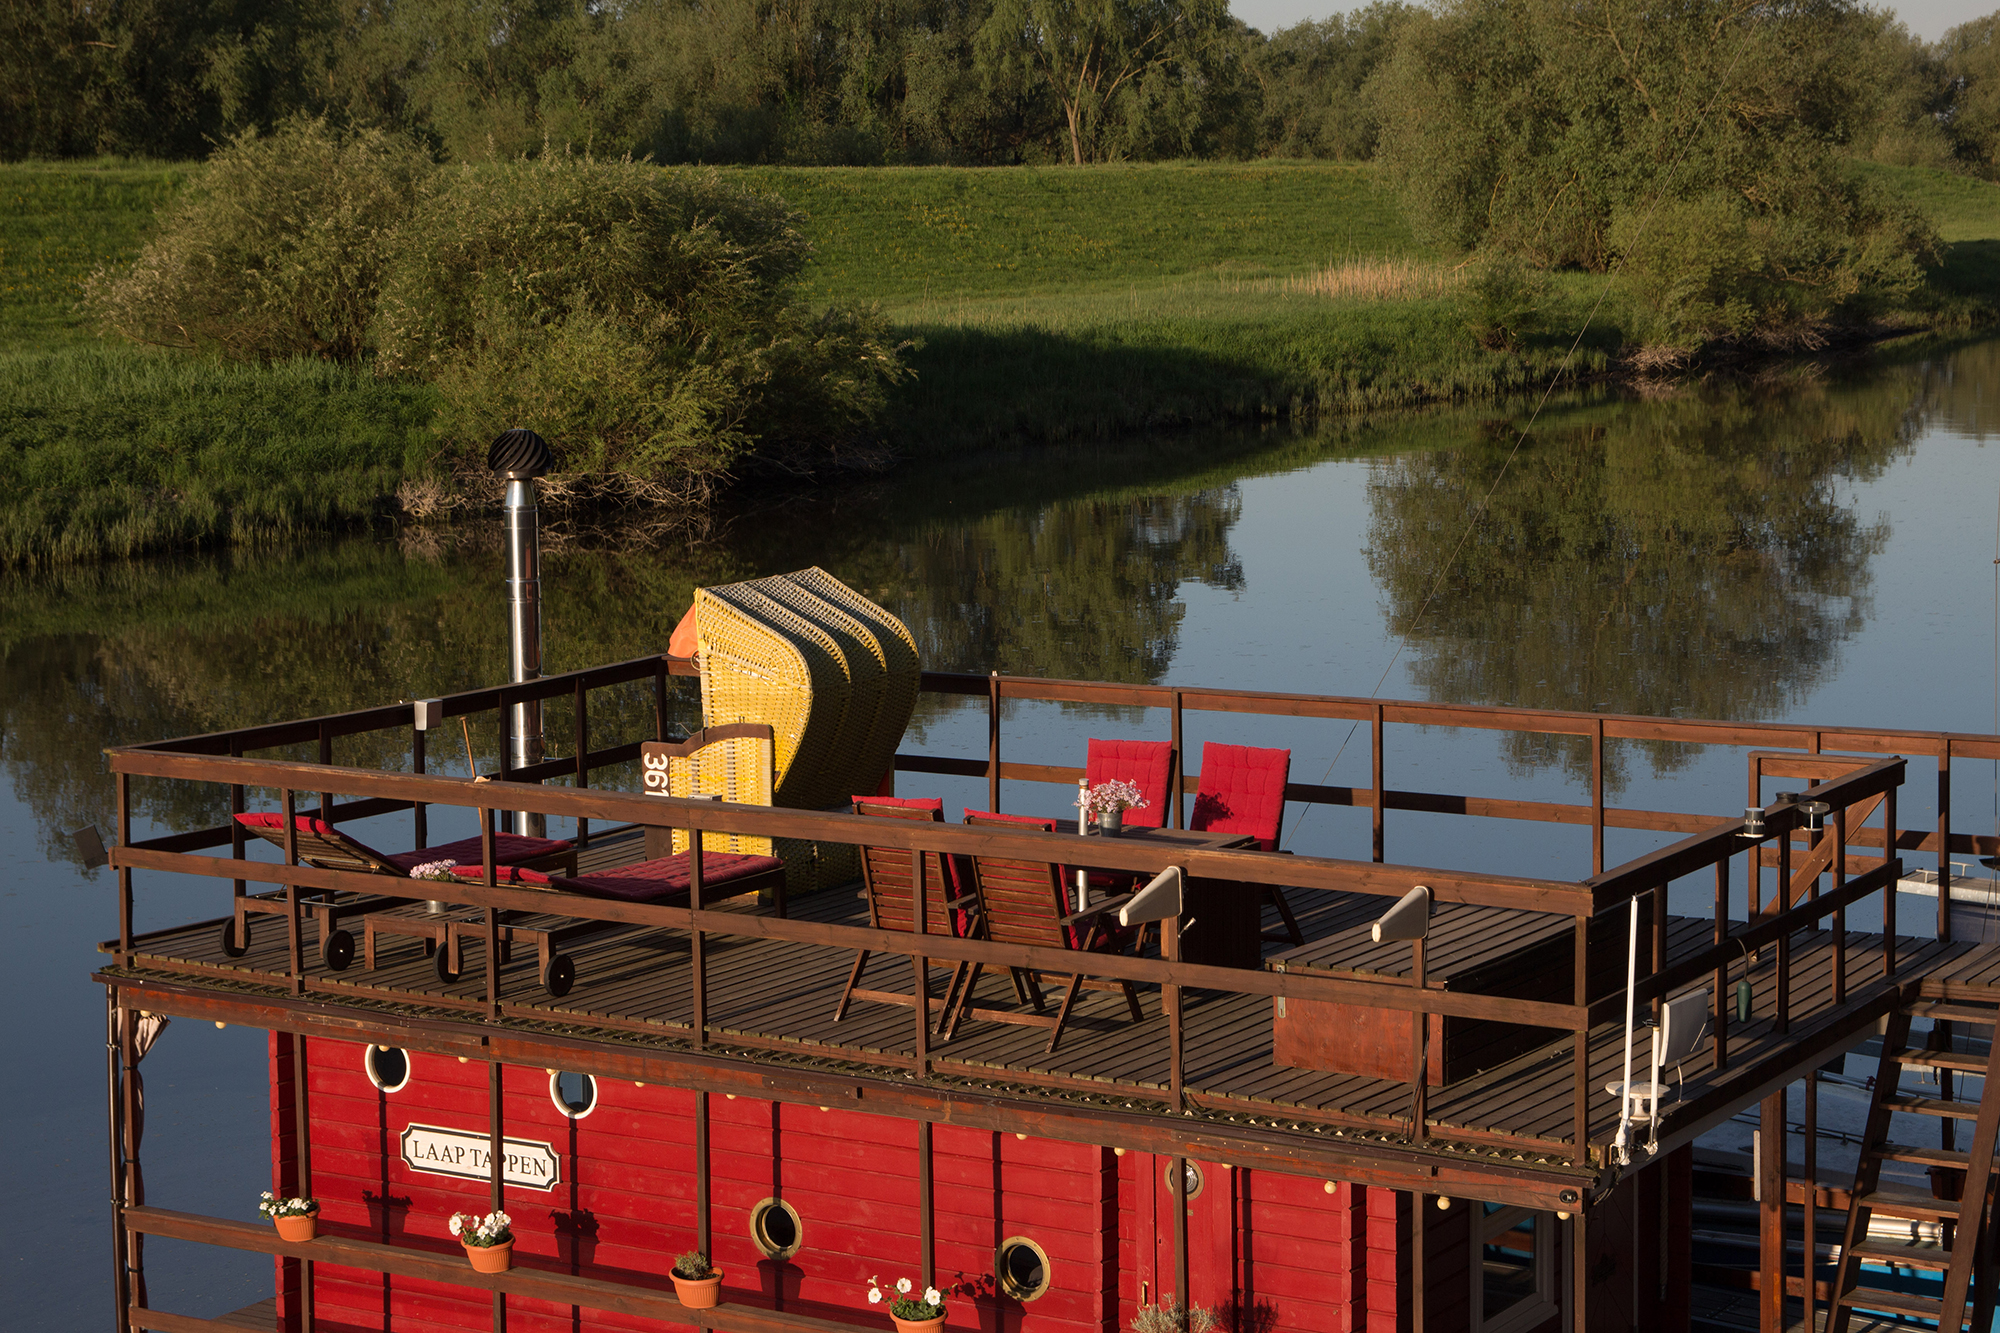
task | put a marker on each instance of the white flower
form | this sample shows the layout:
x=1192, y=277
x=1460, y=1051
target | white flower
x=931, y=1296
x=874, y=1295
x=499, y=1220
x=903, y=1285
x=457, y=1223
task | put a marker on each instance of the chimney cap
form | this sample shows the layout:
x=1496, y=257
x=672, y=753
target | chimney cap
x=520, y=453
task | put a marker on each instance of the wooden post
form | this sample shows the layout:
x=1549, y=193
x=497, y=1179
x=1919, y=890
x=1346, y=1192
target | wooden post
x=120, y=1288
x=1417, y=1246
x=1597, y=799
x=326, y=761
x=1577, y=1316
x=660, y=700
x=1810, y=1170
x=926, y=1208
x=128, y=1119
x=1840, y=913
x=697, y=941
x=302, y=1130
x=238, y=888
x=419, y=753
x=1580, y=1092
x=1170, y=1000
x=993, y=742
x=703, y=1237
x=1176, y=780
x=1375, y=747
x=1419, y=1031
x=1771, y=1215
x=921, y=989
x=580, y=715
x=496, y=1157
x=1889, y=890
x=492, y=918
x=1181, y=1239
x=293, y=926
x=1721, y=937
x=1944, y=839
x=125, y=872
x=1781, y=902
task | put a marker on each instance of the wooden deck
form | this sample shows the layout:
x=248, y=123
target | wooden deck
x=779, y=997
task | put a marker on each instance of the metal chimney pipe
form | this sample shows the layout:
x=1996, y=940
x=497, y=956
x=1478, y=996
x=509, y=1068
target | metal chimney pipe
x=520, y=456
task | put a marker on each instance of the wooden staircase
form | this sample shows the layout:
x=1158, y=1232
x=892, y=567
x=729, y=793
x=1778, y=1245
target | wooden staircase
x=1966, y=1258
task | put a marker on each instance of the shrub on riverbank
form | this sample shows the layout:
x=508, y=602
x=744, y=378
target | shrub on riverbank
x=645, y=320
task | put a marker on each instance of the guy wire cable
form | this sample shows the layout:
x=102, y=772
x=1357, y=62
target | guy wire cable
x=1521, y=436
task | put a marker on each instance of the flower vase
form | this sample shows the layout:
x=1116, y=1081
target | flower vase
x=491, y=1258
x=699, y=1293
x=1111, y=823
x=918, y=1325
x=297, y=1227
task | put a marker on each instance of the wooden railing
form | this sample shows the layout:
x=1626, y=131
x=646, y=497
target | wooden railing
x=223, y=758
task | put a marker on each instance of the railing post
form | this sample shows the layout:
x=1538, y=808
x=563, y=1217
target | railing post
x=926, y=1209
x=1889, y=889
x=697, y=940
x=492, y=916
x=419, y=756
x=128, y=1130
x=1580, y=1062
x=326, y=761
x=921, y=990
x=496, y=1155
x=1781, y=902
x=1597, y=799
x=579, y=713
x=1944, y=839
x=1177, y=782
x=1721, y=937
x=1840, y=913
x=1375, y=746
x=660, y=700
x=294, y=928
x=1420, y=1031
x=1170, y=1000
x=993, y=742
x=124, y=784
x=120, y=1287
x=302, y=1129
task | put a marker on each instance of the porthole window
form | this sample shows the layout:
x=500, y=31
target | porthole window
x=575, y=1095
x=1023, y=1267
x=1194, y=1181
x=775, y=1227
x=388, y=1067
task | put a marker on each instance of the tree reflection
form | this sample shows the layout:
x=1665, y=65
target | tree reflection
x=1689, y=557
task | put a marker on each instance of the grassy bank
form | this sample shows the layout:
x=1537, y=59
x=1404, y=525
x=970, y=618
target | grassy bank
x=1048, y=304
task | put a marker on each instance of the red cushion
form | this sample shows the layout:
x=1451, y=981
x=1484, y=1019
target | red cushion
x=667, y=877
x=508, y=849
x=503, y=875
x=1147, y=765
x=1242, y=790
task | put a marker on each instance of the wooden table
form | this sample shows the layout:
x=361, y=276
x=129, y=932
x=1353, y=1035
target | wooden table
x=1222, y=920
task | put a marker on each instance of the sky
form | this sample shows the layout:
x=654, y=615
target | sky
x=1928, y=19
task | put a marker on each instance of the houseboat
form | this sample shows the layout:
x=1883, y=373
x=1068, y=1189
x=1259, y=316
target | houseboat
x=767, y=1003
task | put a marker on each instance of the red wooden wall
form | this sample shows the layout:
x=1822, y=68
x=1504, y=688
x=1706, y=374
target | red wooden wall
x=1272, y=1251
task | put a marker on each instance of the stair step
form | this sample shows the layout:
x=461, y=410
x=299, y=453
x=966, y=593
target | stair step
x=1902, y=1203
x=1914, y=1254
x=1946, y=1011
x=1932, y=1106
x=1898, y=1152
x=1955, y=1060
x=1895, y=1302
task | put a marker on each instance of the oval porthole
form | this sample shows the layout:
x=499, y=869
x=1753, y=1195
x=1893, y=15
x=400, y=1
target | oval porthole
x=1023, y=1267
x=575, y=1095
x=1194, y=1181
x=775, y=1227
x=388, y=1067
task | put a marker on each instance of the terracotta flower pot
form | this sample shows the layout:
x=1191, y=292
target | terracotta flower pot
x=491, y=1258
x=918, y=1325
x=699, y=1293
x=297, y=1227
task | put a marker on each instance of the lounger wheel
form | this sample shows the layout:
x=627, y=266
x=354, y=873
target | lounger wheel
x=441, y=960
x=337, y=950
x=560, y=975
x=230, y=946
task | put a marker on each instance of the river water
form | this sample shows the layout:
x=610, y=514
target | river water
x=1822, y=547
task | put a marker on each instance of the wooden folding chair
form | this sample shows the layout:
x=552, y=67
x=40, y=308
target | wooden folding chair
x=886, y=884
x=1023, y=902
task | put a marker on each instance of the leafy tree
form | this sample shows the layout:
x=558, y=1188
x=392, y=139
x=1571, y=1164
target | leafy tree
x=1971, y=54
x=1310, y=78
x=1557, y=133
x=1093, y=55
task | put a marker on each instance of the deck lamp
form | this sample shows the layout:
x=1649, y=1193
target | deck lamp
x=519, y=456
x=1753, y=823
x=1409, y=919
x=1160, y=899
x=1815, y=813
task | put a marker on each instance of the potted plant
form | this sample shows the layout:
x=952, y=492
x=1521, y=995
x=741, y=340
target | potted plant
x=1169, y=1317
x=909, y=1314
x=1107, y=803
x=698, y=1285
x=488, y=1240
x=296, y=1219
x=439, y=871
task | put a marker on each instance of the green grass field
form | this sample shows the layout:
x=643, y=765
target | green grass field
x=1041, y=303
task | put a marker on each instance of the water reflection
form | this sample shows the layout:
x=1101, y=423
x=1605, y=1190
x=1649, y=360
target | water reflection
x=1699, y=554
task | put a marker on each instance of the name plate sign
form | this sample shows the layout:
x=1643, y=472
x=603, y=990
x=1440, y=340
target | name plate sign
x=464, y=1153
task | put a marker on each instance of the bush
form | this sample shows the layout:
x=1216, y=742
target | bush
x=1502, y=302
x=643, y=320
x=275, y=249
